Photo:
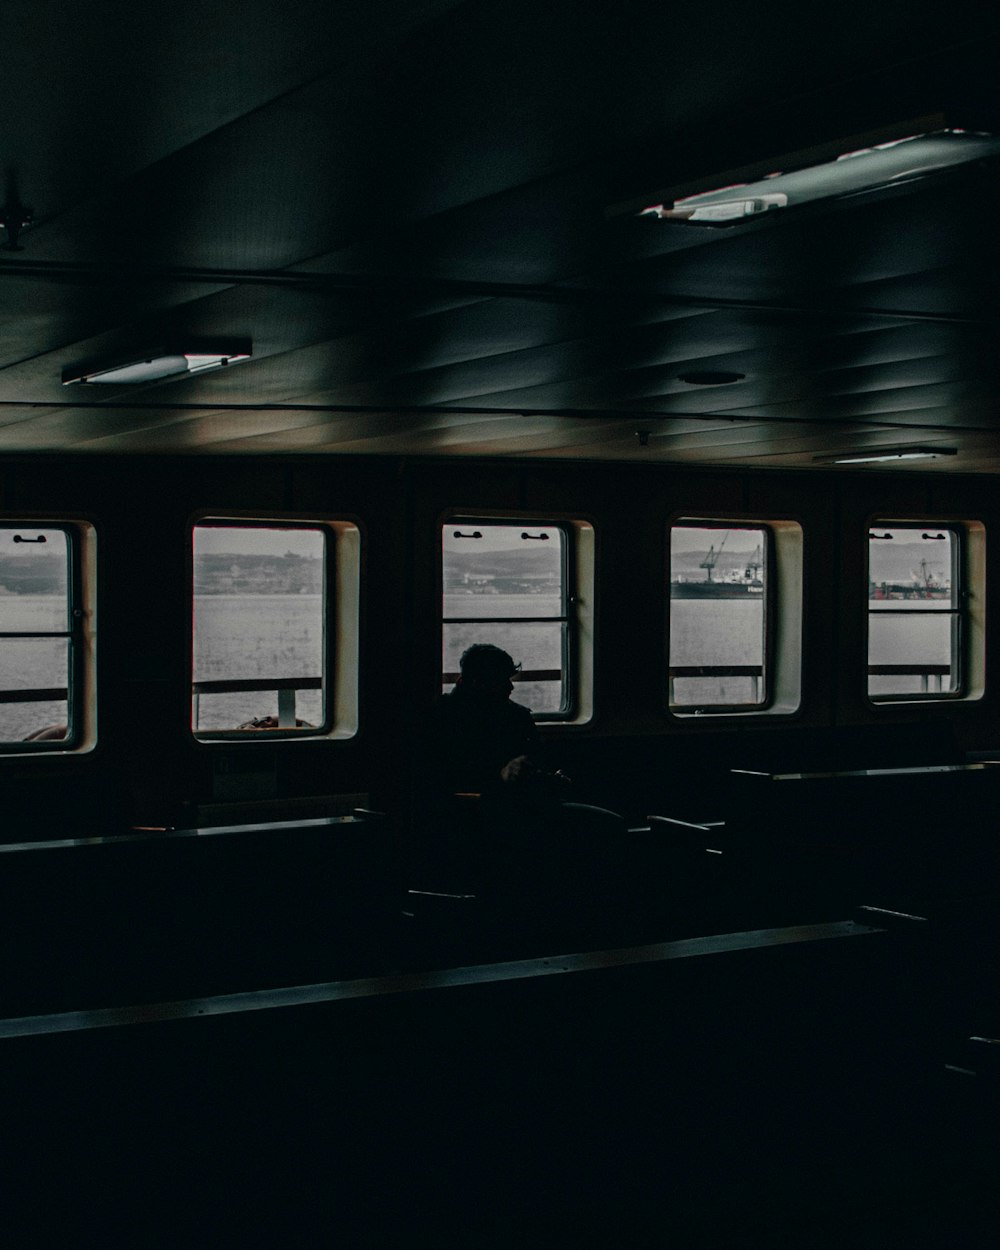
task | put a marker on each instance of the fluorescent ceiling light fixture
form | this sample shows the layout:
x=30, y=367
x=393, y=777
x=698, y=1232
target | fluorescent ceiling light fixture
x=900, y=155
x=886, y=455
x=171, y=363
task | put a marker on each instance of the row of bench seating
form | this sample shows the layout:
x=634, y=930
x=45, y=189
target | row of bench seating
x=90, y=922
x=756, y=1080
x=253, y=905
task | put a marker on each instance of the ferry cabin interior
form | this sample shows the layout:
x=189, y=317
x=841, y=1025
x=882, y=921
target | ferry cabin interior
x=686, y=315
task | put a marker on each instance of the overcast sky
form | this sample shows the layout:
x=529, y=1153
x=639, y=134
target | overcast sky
x=243, y=540
x=696, y=538
x=54, y=545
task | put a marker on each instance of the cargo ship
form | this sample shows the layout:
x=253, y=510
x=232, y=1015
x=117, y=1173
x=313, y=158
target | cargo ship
x=736, y=584
x=735, y=589
x=924, y=585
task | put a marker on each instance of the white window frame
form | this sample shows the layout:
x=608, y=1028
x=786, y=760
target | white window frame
x=81, y=632
x=783, y=642
x=970, y=610
x=342, y=629
x=579, y=604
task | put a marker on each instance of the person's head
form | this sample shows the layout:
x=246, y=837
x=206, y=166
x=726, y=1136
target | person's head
x=487, y=671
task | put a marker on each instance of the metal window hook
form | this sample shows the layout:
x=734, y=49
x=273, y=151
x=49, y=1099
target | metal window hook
x=872, y=534
x=459, y=534
x=935, y=537
x=538, y=537
x=19, y=538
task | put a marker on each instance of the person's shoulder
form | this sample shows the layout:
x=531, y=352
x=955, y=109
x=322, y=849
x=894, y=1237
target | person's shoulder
x=518, y=712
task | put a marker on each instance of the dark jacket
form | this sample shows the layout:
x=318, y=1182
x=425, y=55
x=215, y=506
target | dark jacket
x=468, y=742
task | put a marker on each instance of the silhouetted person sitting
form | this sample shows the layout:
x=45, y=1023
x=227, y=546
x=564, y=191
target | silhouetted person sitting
x=479, y=741
x=492, y=819
x=480, y=788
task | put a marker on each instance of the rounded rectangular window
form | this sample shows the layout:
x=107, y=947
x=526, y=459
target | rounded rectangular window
x=508, y=584
x=719, y=617
x=915, y=614
x=40, y=625
x=259, y=638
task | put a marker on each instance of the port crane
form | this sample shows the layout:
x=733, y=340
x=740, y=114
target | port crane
x=710, y=560
x=754, y=565
x=929, y=583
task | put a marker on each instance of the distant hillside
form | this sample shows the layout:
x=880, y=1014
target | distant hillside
x=33, y=575
x=231, y=574
x=897, y=562
x=891, y=562
x=687, y=564
x=506, y=572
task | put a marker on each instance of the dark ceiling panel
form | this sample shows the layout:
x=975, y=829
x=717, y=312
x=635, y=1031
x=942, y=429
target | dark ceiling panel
x=91, y=98
x=405, y=207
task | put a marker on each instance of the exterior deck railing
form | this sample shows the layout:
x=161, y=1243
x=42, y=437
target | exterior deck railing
x=46, y=694
x=754, y=671
x=287, y=688
x=526, y=674
x=931, y=675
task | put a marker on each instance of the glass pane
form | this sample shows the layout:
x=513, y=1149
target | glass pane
x=258, y=616
x=492, y=571
x=219, y=712
x=718, y=579
x=911, y=569
x=923, y=644
x=34, y=580
x=912, y=600
x=30, y=668
x=502, y=570
x=536, y=647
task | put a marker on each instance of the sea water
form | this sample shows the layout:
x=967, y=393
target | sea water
x=281, y=636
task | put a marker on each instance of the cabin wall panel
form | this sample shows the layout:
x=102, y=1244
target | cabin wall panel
x=629, y=528
x=863, y=497
x=147, y=764
x=375, y=495
x=782, y=497
x=976, y=499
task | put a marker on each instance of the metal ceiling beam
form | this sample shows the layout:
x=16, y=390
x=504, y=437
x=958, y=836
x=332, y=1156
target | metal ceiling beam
x=85, y=273
x=883, y=423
